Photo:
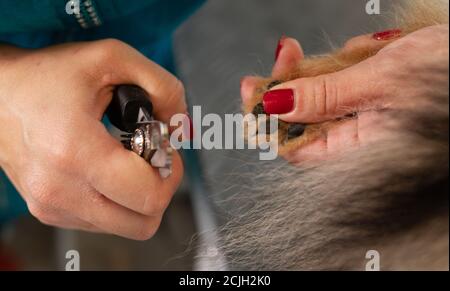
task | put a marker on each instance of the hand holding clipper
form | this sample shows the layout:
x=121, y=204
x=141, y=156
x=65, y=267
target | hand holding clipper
x=70, y=171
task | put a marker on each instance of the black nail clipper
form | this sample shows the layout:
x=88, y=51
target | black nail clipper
x=131, y=111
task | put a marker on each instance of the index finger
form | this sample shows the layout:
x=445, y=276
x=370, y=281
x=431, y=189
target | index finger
x=165, y=90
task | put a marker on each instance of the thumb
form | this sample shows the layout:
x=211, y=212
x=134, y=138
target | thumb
x=326, y=97
x=288, y=57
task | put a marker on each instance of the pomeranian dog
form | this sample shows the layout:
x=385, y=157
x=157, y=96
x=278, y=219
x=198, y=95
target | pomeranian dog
x=386, y=201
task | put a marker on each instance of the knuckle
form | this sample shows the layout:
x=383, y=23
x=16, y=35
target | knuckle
x=320, y=96
x=104, y=51
x=43, y=196
x=148, y=230
x=40, y=214
x=150, y=206
x=62, y=156
x=102, y=57
x=40, y=191
x=110, y=42
x=153, y=205
x=325, y=95
x=99, y=200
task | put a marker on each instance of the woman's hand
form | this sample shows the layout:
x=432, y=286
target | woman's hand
x=58, y=154
x=400, y=75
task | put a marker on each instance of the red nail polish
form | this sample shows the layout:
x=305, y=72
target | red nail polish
x=387, y=35
x=187, y=127
x=279, y=47
x=279, y=101
x=191, y=127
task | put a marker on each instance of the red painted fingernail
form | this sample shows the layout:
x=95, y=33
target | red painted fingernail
x=387, y=35
x=279, y=47
x=187, y=127
x=191, y=127
x=279, y=101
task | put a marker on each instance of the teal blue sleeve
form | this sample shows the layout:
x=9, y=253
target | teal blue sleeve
x=50, y=15
x=11, y=203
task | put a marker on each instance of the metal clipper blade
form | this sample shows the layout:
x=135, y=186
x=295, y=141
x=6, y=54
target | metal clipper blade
x=151, y=141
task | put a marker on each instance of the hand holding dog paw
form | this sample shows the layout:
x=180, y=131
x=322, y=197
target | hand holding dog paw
x=403, y=73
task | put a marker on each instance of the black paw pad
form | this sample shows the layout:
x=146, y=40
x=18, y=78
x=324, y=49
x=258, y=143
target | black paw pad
x=296, y=130
x=273, y=84
x=258, y=109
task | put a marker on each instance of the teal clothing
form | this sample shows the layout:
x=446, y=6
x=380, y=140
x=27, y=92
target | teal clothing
x=147, y=25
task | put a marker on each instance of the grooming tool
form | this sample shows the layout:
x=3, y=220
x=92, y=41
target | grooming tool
x=131, y=111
